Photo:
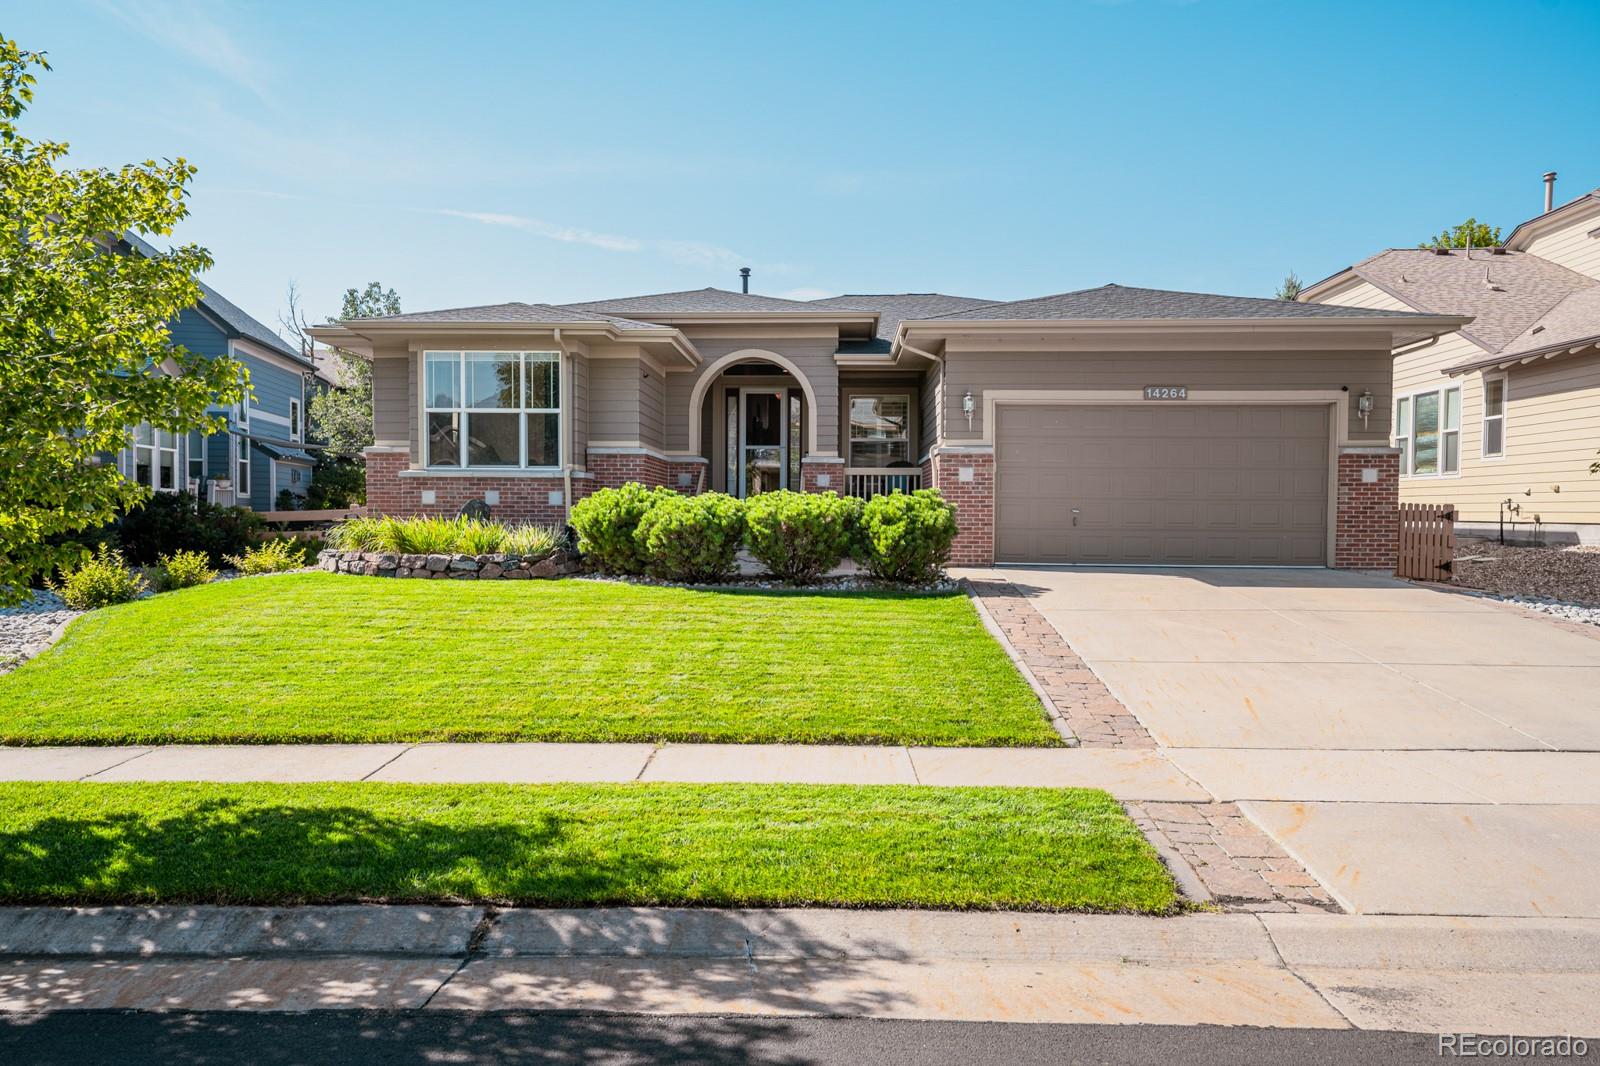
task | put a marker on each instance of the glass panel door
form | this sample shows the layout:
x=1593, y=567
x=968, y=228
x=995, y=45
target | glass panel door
x=763, y=441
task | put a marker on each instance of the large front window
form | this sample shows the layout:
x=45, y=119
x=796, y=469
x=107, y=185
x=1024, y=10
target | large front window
x=492, y=409
x=880, y=430
x=1427, y=430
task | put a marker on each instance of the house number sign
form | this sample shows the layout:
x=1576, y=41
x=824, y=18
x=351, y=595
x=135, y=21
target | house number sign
x=1166, y=392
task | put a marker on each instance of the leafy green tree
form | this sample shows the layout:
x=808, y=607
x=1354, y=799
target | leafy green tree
x=1291, y=287
x=1481, y=234
x=83, y=329
x=342, y=418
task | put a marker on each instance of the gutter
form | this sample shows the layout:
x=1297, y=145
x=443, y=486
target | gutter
x=566, y=427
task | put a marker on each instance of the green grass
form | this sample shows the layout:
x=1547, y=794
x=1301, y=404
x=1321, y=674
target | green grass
x=320, y=657
x=703, y=845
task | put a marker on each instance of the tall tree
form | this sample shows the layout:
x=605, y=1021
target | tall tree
x=1291, y=287
x=1481, y=235
x=83, y=329
x=342, y=418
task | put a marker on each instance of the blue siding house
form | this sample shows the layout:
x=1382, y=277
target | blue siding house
x=263, y=452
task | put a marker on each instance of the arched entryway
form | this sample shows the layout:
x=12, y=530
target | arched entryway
x=753, y=416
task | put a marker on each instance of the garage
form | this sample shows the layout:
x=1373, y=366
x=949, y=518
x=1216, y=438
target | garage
x=1177, y=483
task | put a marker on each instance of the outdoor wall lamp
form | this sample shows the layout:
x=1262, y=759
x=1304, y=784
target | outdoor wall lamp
x=968, y=406
x=1364, y=406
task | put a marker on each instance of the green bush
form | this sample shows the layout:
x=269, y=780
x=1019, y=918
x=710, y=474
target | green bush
x=337, y=483
x=476, y=537
x=432, y=534
x=270, y=557
x=607, y=523
x=182, y=570
x=99, y=581
x=692, y=538
x=800, y=536
x=533, y=542
x=906, y=536
x=358, y=535
x=176, y=521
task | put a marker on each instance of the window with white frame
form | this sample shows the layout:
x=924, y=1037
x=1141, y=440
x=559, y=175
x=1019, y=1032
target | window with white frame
x=294, y=420
x=241, y=485
x=492, y=409
x=1494, y=416
x=880, y=430
x=153, y=459
x=1427, y=430
x=197, y=456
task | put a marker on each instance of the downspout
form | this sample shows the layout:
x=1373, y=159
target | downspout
x=566, y=428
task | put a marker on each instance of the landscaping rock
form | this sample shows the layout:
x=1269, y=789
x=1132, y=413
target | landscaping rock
x=388, y=561
x=543, y=568
x=413, y=562
x=491, y=571
x=464, y=562
x=404, y=571
x=438, y=563
x=519, y=574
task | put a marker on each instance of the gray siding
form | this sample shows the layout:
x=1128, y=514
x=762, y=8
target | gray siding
x=614, y=399
x=813, y=358
x=582, y=394
x=393, y=396
x=652, y=406
x=1243, y=371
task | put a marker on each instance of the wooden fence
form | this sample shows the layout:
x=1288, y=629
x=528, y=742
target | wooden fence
x=1427, y=541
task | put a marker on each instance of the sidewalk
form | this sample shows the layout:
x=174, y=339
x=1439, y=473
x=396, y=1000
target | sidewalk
x=1520, y=976
x=1126, y=774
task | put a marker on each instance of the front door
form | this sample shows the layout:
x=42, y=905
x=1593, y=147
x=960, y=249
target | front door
x=763, y=442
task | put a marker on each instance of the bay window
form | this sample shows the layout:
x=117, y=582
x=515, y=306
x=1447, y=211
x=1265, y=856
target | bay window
x=1427, y=430
x=492, y=409
x=880, y=430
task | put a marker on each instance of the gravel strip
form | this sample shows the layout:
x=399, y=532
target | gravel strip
x=1565, y=578
x=26, y=631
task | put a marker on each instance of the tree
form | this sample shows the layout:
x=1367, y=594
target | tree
x=1291, y=287
x=342, y=418
x=1481, y=235
x=83, y=329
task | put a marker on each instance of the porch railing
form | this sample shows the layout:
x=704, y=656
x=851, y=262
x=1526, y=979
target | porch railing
x=869, y=481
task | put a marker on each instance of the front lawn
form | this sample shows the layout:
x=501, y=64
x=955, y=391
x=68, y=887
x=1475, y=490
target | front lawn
x=324, y=657
x=647, y=845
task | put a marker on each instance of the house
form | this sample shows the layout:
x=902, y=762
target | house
x=1109, y=425
x=263, y=451
x=1500, y=418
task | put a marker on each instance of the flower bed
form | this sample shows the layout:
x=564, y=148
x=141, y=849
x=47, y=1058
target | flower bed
x=495, y=566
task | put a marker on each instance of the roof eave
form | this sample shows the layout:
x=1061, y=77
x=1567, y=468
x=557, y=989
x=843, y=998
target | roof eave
x=348, y=336
x=1504, y=361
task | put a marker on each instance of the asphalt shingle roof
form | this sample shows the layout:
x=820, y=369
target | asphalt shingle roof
x=231, y=314
x=1507, y=294
x=694, y=301
x=1123, y=302
x=511, y=313
x=1574, y=320
x=893, y=308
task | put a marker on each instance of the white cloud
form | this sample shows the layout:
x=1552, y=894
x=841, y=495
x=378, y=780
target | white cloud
x=187, y=28
x=694, y=253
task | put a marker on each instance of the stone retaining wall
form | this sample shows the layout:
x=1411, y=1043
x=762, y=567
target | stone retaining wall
x=461, y=567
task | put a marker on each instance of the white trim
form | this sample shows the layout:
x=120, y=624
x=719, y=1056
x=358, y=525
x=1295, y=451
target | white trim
x=563, y=363
x=295, y=414
x=265, y=416
x=698, y=394
x=243, y=346
x=612, y=447
x=546, y=472
x=1483, y=422
x=1338, y=431
x=884, y=392
x=1410, y=454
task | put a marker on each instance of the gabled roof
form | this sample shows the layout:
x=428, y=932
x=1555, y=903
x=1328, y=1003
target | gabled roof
x=1570, y=327
x=693, y=302
x=893, y=308
x=1506, y=293
x=233, y=318
x=1526, y=230
x=1120, y=302
x=515, y=312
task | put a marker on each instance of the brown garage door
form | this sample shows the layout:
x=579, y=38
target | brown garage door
x=1156, y=483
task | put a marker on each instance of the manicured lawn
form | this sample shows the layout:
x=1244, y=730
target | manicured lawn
x=325, y=657
x=722, y=845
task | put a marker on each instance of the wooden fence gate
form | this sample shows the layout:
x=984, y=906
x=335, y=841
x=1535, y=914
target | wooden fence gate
x=1427, y=541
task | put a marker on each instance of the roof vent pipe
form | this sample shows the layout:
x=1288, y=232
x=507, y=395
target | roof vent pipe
x=1549, y=191
x=744, y=272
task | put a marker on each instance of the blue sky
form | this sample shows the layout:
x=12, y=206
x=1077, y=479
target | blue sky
x=476, y=152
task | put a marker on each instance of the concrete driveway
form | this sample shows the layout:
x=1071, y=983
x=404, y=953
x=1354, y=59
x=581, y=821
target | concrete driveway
x=1419, y=751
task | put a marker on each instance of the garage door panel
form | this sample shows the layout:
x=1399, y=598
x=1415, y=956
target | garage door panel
x=1197, y=483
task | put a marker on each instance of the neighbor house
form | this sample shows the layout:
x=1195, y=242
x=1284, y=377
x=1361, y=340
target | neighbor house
x=262, y=452
x=1500, y=418
x=1108, y=425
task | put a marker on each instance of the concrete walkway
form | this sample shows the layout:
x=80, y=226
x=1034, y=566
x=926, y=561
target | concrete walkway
x=1134, y=775
x=1419, y=752
x=1521, y=976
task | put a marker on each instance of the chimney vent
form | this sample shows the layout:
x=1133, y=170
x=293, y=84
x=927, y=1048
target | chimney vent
x=744, y=277
x=1549, y=191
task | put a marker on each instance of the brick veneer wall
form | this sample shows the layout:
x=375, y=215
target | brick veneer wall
x=974, y=503
x=811, y=469
x=1366, y=533
x=522, y=499
x=611, y=470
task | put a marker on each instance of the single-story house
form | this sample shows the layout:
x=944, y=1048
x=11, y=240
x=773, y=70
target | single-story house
x=1110, y=425
x=263, y=452
x=1500, y=418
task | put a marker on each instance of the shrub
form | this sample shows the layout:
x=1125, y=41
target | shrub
x=271, y=557
x=607, y=522
x=337, y=483
x=99, y=581
x=358, y=534
x=533, y=542
x=182, y=570
x=476, y=537
x=906, y=536
x=800, y=536
x=289, y=500
x=176, y=521
x=420, y=535
x=692, y=538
